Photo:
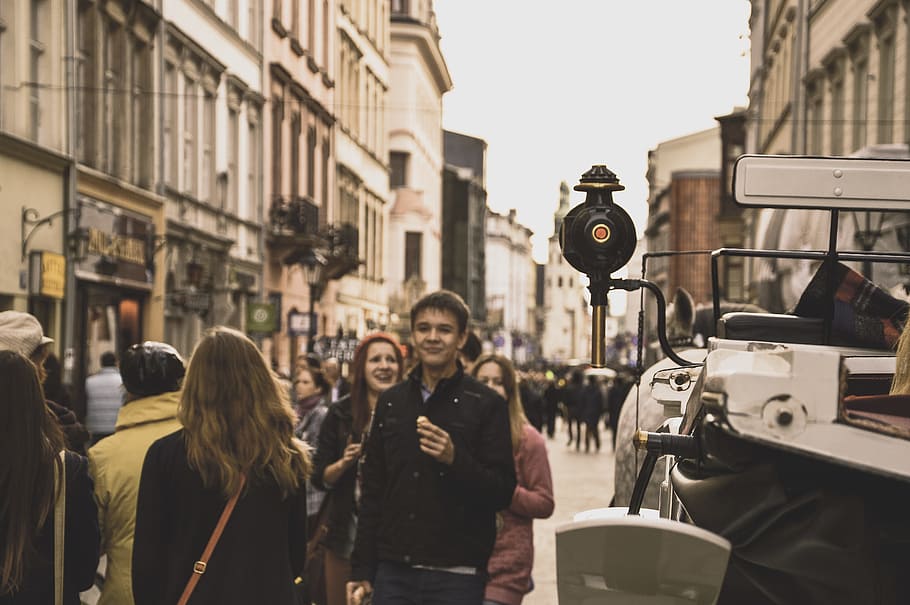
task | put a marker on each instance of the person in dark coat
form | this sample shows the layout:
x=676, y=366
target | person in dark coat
x=30, y=469
x=592, y=406
x=22, y=332
x=574, y=407
x=551, y=397
x=377, y=365
x=531, y=401
x=238, y=423
x=438, y=466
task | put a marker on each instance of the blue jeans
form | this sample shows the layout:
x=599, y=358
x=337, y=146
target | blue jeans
x=400, y=584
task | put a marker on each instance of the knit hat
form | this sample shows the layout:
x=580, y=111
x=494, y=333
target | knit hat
x=21, y=332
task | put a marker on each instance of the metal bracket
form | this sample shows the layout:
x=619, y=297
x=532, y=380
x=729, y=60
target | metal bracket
x=31, y=218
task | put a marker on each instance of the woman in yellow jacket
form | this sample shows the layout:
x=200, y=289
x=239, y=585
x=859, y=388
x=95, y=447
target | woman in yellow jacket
x=152, y=373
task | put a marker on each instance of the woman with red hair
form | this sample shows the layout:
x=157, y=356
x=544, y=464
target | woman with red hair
x=377, y=365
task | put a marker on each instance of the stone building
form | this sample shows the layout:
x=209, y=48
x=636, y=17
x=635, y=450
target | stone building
x=464, y=209
x=828, y=78
x=419, y=79
x=567, y=323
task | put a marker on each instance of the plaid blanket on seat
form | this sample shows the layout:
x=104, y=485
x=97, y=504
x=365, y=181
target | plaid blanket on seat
x=865, y=315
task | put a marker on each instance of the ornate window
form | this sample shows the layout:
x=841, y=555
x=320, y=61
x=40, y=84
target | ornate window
x=857, y=42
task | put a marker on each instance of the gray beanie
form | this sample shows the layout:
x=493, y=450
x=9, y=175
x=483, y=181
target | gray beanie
x=21, y=332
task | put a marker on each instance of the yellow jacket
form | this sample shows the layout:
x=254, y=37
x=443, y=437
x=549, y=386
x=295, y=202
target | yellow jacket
x=116, y=465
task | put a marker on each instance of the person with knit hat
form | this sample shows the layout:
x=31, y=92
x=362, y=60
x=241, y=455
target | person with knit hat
x=22, y=333
x=377, y=365
x=152, y=374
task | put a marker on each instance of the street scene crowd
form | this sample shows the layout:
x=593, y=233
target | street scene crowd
x=402, y=480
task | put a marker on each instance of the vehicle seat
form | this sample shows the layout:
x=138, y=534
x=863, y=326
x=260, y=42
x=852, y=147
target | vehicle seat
x=771, y=327
x=887, y=414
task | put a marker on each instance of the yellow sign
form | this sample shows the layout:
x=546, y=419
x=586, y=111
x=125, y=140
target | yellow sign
x=47, y=272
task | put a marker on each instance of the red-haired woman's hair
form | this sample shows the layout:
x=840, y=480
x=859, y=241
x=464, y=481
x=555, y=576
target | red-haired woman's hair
x=360, y=409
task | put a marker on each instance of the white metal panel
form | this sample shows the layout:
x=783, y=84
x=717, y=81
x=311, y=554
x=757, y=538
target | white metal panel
x=824, y=183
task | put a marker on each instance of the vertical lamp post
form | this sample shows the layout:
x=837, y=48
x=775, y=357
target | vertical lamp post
x=312, y=264
x=867, y=235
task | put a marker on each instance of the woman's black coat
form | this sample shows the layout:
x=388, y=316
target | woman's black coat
x=81, y=541
x=262, y=549
x=333, y=439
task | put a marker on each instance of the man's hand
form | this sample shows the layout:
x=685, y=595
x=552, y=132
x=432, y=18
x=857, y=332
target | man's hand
x=357, y=591
x=435, y=441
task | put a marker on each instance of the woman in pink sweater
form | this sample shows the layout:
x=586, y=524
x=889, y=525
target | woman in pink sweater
x=510, y=564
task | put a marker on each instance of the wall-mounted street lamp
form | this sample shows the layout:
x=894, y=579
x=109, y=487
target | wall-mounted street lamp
x=312, y=263
x=31, y=220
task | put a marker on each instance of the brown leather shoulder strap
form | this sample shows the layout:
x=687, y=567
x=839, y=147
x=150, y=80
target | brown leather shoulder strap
x=200, y=565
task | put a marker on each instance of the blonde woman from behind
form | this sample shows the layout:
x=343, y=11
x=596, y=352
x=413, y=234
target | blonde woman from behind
x=237, y=426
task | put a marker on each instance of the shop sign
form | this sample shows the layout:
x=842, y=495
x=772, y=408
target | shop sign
x=47, y=274
x=299, y=323
x=261, y=317
x=117, y=241
x=339, y=348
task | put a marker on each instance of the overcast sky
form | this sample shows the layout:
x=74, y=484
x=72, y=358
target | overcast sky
x=556, y=87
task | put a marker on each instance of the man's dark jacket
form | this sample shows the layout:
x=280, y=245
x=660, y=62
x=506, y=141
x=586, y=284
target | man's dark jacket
x=419, y=511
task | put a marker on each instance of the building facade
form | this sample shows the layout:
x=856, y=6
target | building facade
x=299, y=156
x=567, y=324
x=683, y=206
x=419, y=79
x=510, y=286
x=36, y=162
x=212, y=103
x=464, y=211
x=828, y=78
x=358, y=302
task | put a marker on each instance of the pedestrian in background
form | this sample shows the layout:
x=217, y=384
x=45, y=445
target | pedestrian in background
x=310, y=388
x=339, y=385
x=531, y=400
x=592, y=407
x=438, y=465
x=572, y=396
x=512, y=560
x=22, y=333
x=551, y=397
x=54, y=389
x=237, y=438
x=31, y=469
x=377, y=365
x=616, y=396
x=103, y=398
x=152, y=373
x=470, y=351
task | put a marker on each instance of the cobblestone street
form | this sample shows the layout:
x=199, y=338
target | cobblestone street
x=580, y=482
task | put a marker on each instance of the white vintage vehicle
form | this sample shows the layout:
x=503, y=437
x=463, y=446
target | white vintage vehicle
x=789, y=464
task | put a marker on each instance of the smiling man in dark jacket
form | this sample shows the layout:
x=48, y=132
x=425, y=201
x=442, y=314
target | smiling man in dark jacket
x=437, y=466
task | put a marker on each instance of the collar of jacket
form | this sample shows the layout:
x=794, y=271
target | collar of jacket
x=416, y=376
x=148, y=409
x=343, y=407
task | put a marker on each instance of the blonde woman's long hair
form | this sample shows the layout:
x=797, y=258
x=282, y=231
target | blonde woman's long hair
x=237, y=418
x=517, y=418
x=901, y=383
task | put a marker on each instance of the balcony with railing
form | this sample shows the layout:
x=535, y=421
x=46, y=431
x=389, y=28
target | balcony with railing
x=294, y=231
